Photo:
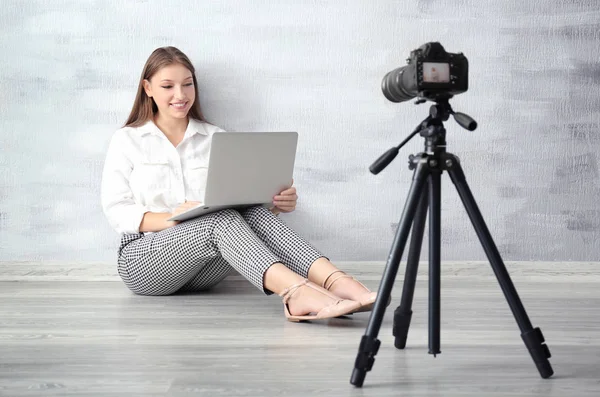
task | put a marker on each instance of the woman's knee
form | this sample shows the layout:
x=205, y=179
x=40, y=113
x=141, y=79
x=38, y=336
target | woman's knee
x=258, y=210
x=226, y=215
x=224, y=220
x=257, y=215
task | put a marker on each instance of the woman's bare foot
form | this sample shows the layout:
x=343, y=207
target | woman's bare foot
x=324, y=273
x=304, y=300
x=347, y=287
x=307, y=300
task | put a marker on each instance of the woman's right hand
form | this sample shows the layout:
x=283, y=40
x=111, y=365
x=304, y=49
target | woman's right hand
x=157, y=221
x=188, y=205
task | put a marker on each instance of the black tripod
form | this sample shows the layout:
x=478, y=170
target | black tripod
x=428, y=167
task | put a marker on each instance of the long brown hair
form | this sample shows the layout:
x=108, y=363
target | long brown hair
x=144, y=107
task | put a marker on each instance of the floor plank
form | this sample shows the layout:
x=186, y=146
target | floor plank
x=77, y=338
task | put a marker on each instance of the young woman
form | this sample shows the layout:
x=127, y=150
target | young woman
x=146, y=180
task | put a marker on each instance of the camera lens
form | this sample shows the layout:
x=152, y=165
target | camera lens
x=393, y=88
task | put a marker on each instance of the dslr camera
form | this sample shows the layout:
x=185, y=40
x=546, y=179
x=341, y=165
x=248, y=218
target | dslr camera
x=431, y=74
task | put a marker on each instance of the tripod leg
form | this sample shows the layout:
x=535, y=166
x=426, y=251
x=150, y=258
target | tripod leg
x=533, y=338
x=435, y=198
x=403, y=313
x=369, y=343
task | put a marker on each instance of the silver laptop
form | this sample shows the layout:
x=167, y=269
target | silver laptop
x=246, y=169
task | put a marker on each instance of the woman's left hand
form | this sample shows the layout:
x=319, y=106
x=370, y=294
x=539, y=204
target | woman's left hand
x=286, y=200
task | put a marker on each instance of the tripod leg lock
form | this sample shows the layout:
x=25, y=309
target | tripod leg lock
x=539, y=351
x=366, y=353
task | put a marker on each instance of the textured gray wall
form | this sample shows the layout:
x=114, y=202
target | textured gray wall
x=69, y=70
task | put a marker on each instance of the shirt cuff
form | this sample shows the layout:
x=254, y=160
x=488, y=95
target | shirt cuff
x=126, y=218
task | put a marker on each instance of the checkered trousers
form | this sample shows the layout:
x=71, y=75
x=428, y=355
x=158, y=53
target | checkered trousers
x=199, y=253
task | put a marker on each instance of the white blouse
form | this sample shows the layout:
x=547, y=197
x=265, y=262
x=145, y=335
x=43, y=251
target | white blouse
x=144, y=172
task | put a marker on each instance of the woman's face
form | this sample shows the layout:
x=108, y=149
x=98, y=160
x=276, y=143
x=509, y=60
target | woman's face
x=172, y=89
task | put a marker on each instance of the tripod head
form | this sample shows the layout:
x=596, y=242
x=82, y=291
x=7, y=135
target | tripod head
x=432, y=129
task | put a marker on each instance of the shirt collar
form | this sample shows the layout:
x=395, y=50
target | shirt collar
x=194, y=127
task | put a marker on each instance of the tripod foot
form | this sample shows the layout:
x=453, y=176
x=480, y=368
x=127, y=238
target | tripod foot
x=534, y=340
x=364, y=360
x=358, y=377
x=400, y=328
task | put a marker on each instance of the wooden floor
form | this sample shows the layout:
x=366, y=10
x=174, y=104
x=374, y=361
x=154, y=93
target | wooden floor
x=95, y=338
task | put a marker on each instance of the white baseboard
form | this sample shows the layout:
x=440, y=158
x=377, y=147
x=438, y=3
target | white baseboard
x=102, y=271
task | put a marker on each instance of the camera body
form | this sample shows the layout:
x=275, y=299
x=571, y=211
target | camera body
x=431, y=73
